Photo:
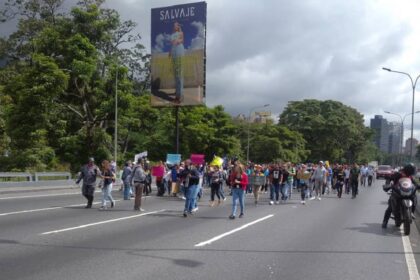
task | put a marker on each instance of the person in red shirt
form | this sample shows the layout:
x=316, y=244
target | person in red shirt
x=239, y=181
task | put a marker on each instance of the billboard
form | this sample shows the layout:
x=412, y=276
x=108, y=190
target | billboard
x=178, y=55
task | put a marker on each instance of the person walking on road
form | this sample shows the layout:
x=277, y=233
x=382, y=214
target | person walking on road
x=256, y=187
x=319, y=177
x=108, y=177
x=138, y=180
x=339, y=181
x=126, y=176
x=370, y=174
x=216, y=177
x=304, y=176
x=347, y=179
x=239, y=183
x=88, y=174
x=192, y=180
x=354, y=180
x=276, y=178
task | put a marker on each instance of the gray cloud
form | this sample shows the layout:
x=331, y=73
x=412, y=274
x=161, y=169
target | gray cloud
x=275, y=51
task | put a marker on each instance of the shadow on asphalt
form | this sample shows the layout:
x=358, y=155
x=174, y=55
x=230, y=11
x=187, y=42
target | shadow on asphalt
x=376, y=228
x=141, y=251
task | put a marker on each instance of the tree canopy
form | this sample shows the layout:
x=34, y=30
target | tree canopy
x=57, y=100
x=331, y=129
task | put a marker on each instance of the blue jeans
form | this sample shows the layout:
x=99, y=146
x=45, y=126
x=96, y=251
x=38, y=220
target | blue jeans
x=127, y=191
x=177, y=54
x=106, y=194
x=237, y=194
x=275, y=189
x=190, y=198
x=285, y=191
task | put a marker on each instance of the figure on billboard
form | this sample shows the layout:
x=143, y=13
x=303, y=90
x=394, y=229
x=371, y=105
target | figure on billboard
x=177, y=53
x=178, y=60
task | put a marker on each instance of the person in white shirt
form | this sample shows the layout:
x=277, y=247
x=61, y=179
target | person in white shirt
x=319, y=177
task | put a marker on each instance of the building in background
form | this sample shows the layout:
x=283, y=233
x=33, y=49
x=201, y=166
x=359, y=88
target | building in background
x=260, y=117
x=408, y=143
x=395, y=131
x=380, y=126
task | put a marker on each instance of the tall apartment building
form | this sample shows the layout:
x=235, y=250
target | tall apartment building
x=395, y=130
x=380, y=126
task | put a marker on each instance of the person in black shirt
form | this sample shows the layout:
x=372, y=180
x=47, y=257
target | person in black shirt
x=407, y=172
x=275, y=178
x=108, y=178
x=339, y=180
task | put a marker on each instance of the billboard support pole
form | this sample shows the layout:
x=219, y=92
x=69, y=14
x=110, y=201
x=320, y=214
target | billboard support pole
x=177, y=129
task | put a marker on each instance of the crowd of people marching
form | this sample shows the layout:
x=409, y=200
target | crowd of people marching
x=186, y=180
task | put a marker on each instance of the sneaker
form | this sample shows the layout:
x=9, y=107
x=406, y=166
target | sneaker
x=277, y=202
x=112, y=204
x=185, y=214
x=88, y=206
x=242, y=215
x=224, y=199
x=231, y=217
x=141, y=210
x=183, y=198
x=212, y=203
x=303, y=202
x=319, y=198
x=271, y=202
x=312, y=198
x=102, y=208
x=194, y=209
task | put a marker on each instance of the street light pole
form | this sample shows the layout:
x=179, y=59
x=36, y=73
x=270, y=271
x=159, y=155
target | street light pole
x=402, y=118
x=413, y=86
x=116, y=119
x=249, y=124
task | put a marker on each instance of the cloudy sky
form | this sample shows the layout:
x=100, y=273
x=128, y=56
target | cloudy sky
x=276, y=51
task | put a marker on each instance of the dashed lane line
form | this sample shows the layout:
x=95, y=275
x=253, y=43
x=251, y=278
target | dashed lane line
x=204, y=243
x=41, y=195
x=101, y=223
x=46, y=209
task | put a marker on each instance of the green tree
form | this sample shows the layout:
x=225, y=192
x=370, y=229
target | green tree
x=332, y=130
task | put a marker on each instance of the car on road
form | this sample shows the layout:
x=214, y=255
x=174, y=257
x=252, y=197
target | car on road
x=384, y=171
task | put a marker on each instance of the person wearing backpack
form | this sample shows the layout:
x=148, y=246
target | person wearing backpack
x=138, y=180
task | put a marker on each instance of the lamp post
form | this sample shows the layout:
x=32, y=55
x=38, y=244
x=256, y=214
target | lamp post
x=116, y=119
x=413, y=86
x=402, y=118
x=249, y=124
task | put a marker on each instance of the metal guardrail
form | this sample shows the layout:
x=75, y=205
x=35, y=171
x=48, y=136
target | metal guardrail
x=67, y=175
x=14, y=179
x=16, y=175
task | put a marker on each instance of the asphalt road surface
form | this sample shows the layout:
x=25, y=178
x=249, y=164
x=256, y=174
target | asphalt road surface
x=53, y=237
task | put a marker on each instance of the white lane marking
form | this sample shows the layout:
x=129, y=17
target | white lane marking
x=413, y=271
x=46, y=209
x=41, y=195
x=201, y=244
x=102, y=222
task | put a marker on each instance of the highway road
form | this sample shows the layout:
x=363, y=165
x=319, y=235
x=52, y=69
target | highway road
x=52, y=236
